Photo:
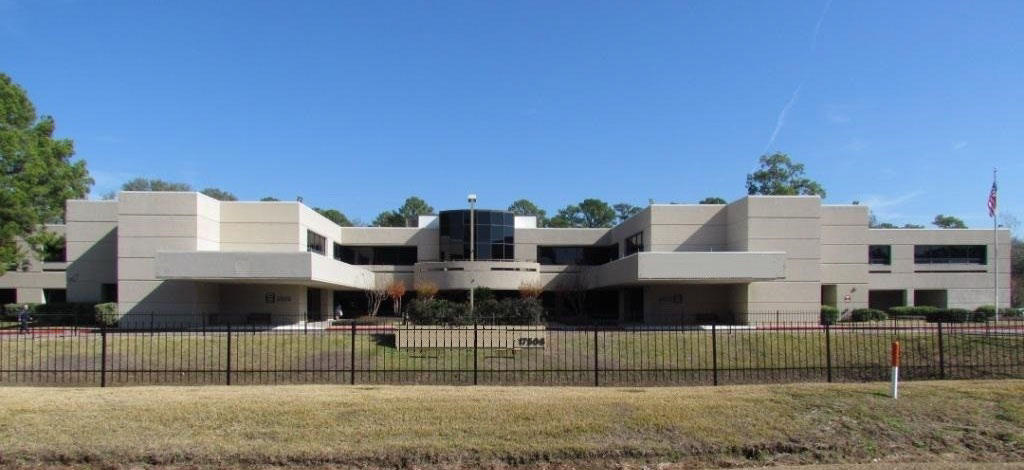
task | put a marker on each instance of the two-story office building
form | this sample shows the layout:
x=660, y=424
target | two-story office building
x=185, y=257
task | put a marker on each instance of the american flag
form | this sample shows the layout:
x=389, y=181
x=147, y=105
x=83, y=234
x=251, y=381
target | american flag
x=992, y=201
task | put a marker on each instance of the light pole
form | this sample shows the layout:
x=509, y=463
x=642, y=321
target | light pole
x=472, y=246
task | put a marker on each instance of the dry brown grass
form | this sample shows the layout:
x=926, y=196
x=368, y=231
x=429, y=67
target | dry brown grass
x=473, y=427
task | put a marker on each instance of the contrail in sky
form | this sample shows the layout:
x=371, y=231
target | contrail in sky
x=780, y=121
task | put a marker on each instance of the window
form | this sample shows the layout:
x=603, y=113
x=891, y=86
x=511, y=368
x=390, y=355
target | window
x=315, y=243
x=55, y=296
x=634, y=244
x=576, y=255
x=494, y=234
x=950, y=254
x=108, y=293
x=396, y=255
x=880, y=254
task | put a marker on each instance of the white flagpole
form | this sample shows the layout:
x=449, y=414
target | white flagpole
x=995, y=247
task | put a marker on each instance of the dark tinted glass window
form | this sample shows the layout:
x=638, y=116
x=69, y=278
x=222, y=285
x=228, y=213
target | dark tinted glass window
x=950, y=254
x=880, y=254
x=576, y=255
x=633, y=244
x=494, y=234
x=399, y=255
x=315, y=243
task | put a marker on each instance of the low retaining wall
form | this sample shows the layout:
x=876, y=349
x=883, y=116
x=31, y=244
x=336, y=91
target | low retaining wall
x=490, y=336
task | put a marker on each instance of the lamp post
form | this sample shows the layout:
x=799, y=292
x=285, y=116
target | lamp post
x=472, y=244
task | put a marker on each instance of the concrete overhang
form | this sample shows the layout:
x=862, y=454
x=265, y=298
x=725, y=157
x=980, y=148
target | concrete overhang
x=263, y=267
x=462, y=275
x=719, y=267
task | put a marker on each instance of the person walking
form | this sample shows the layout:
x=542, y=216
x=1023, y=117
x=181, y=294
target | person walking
x=23, y=319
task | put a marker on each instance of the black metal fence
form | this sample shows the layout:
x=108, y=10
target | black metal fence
x=350, y=353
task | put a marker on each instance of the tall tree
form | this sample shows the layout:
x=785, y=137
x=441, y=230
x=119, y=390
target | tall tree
x=143, y=184
x=948, y=221
x=780, y=176
x=712, y=200
x=527, y=207
x=414, y=207
x=37, y=175
x=269, y=199
x=597, y=213
x=219, y=194
x=335, y=216
x=568, y=217
x=411, y=208
x=591, y=213
x=625, y=210
x=389, y=219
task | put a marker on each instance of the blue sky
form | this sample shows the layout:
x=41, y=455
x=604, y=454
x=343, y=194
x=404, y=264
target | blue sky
x=906, y=106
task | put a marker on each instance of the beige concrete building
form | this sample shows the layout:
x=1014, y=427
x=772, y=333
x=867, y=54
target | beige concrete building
x=186, y=258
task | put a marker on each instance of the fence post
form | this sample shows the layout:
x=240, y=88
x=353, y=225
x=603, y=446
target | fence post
x=103, y=355
x=352, y=356
x=475, y=347
x=597, y=381
x=227, y=371
x=828, y=351
x=942, y=355
x=714, y=353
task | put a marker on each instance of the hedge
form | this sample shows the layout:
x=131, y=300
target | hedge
x=438, y=312
x=107, y=314
x=913, y=311
x=867, y=314
x=829, y=315
x=951, y=315
x=513, y=311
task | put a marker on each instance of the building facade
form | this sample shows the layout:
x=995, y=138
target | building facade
x=183, y=257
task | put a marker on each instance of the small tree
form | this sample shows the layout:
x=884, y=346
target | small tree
x=625, y=210
x=780, y=176
x=948, y=221
x=396, y=290
x=219, y=194
x=530, y=289
x=375, y=296
x=712, y=200
x=425, y=290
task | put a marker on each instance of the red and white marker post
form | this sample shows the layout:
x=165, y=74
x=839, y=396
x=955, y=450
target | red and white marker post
x=895, y=369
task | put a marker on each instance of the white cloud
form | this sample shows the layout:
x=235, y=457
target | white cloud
x=958, y=144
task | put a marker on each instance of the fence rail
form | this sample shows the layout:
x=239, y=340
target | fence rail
x=490, y=355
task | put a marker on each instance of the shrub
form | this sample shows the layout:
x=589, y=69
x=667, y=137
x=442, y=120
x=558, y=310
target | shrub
x=829, y=315
x=107, y=314
x=530, y=289
x=989, y=311
x=915, y=311
x=425, y=290
x=515, y=311
x=951, y=315
x=439, y=312
x=867, y=314
x=482, y=294
x=11, y=311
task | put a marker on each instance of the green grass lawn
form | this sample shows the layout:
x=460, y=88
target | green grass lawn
x=622, y=357
x=501, y=427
